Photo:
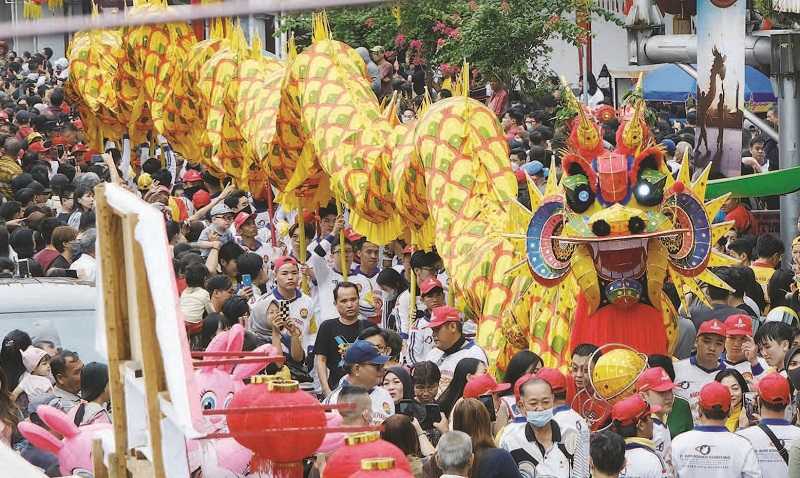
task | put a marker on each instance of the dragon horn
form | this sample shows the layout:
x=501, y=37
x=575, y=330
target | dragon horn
x=587, y=134
x=322, y=29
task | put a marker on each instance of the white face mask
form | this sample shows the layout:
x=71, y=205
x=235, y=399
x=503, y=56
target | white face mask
x=389, y=296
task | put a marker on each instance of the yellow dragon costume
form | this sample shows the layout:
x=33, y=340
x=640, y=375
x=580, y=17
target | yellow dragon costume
x=595, y=248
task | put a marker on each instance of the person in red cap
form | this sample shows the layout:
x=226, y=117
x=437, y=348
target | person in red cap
x=451, y=345
x=657, y=389
x=295, y=306
x=699, y=369
x=571, y=423
x=741, y=351
x=420, y=336
x=247, y=236
x=773, y=435
x=631, y=419
x=710, y=450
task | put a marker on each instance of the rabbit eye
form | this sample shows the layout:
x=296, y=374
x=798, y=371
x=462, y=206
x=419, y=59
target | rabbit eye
x=80, y=472
x=208, y=401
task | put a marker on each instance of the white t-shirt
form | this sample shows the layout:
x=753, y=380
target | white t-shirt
x=662, y=442
x=300, y=311
x=747, y=370
x=690, y=378
x=575, y=435
x=371, y=294
x=382, y=403
x=86, y=267
x=447, y=363
x=713, y=452
x=420, y=338
x=642, y=461
x=768, y=457
x=519, y=440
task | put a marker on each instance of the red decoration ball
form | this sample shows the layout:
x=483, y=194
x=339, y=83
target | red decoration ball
x=346, y=461
x=283, y=444
x=678, y=187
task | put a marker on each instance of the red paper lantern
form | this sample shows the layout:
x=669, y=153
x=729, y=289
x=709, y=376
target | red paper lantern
x=279, y=439
x=380, y=468
x=359, y=446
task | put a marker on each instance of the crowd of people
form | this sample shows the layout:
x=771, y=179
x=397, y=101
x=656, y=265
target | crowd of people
x=353, y=330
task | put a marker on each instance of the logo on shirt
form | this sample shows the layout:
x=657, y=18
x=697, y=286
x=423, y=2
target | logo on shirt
x=304, y=313
x=703, y=449
x=386, y=408
x=684, y=385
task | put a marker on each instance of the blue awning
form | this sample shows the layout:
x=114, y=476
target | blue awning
x=670, y=83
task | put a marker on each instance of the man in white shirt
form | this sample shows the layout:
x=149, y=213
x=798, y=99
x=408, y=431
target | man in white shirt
x=365, y=276
x=631, y=420
x=773, y=435
x=327, y=277
x=710, y=450
x=537, y=445
x=656, y=388
x=741, y=352
x=364, y=366
x=574, y=429
x=451, y=345
x=699, y=369
x=86, y=265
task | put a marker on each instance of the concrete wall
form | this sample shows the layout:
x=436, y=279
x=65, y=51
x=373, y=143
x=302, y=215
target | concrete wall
x=34, y=43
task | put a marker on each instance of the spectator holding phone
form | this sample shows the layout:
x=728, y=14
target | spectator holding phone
x=285, y=332
x=426, y=376
x=398, y=383
x=298, y=307
x=737, y=386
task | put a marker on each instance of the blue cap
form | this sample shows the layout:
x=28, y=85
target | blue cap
x=362, y=351
x=669, y=145
x=534, y=168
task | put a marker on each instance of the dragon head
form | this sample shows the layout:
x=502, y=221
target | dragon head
x=619, y=223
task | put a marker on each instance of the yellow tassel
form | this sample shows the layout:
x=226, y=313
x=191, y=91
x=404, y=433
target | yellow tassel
x=322, y=29
x=396, y=15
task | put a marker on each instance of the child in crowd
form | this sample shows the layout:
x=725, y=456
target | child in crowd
x=35, y=382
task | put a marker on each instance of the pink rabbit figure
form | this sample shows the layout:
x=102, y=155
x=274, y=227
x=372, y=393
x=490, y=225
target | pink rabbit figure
x=74, y=451
x=216, y=385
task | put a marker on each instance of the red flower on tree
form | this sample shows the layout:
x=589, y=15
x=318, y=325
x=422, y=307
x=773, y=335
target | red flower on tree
x=505, y=7
x=440, y=42
x=369, y=22
x=415, y=44
x=399, y=40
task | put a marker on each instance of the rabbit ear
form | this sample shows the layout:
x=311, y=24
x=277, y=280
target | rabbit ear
x=39, y=437
x=235, y=343
x=217, y=344
x=245, y=370
x=57, y=421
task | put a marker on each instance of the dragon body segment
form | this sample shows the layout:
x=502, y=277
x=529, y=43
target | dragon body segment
x=587, y=261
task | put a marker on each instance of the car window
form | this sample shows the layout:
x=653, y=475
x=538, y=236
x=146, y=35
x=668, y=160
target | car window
x=76, y=329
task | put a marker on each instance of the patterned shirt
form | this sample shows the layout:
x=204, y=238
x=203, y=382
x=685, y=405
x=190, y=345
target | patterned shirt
x=9, y=169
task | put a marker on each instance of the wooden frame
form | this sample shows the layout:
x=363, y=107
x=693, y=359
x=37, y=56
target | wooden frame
x=131, y=336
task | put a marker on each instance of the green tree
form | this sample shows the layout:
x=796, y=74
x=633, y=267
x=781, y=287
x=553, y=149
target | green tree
x=505, y=40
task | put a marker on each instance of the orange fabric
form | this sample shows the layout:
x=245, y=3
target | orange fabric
x=744, y=221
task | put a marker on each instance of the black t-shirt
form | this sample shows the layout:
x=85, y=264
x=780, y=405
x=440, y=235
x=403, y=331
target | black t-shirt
x=333, y=338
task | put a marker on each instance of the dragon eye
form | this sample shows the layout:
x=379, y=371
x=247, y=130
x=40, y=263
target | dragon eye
x=649, y=190
x=579, y=195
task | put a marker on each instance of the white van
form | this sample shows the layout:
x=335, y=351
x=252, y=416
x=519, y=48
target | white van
x=68, y=304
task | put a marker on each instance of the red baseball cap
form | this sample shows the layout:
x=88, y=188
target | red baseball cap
x=739, y=324
x=630, y=410
x=283, y=260
x=191, y=175
x=655, y=379
x=483, y=384
x=38, y=147
x=520, y=382
x=774, y=388
x=429, y=284
x=556, y=379
x=715, y=394
x=714, y=327
x=201, y=198
x=240, y=219
x=442, y=315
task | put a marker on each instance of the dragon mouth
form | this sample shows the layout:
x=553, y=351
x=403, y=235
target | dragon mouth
x=620, y=258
